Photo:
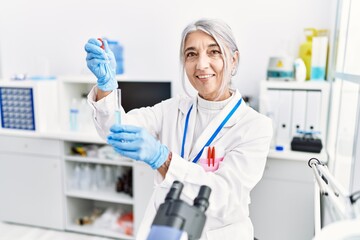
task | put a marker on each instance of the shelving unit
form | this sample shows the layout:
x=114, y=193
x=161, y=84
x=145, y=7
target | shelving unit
x=81, y=202
x=287, y=189
x=41, y=194
x=295, y=106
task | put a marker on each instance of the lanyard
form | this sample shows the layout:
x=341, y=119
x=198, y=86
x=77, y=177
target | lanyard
x=185, y=131
x=212, y=136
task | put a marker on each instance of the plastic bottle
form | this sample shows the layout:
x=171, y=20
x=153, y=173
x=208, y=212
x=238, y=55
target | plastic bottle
x=319, y=56
x=86, y=177
x=117, y=49
x=305, y=51
x=300, y=70
x=74, y=115
x=85, y=116
x=76, y=177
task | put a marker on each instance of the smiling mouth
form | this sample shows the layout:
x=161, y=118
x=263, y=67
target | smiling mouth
x=201, y=77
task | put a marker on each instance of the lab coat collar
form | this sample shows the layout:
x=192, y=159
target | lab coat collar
x=185, y=104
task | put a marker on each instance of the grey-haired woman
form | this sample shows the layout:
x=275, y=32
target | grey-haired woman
x=212, y=138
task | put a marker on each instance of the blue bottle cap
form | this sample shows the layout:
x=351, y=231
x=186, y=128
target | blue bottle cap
x=279, y=148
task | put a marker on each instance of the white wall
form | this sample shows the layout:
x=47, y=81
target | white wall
x=47, y=37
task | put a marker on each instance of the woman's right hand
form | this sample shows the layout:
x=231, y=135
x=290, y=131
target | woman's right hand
x=102, y=64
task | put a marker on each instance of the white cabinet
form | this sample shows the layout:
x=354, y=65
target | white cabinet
x=282, y=203
x=30, y=181
x=295, y=106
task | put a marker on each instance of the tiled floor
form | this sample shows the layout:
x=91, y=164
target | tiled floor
x=20, y=232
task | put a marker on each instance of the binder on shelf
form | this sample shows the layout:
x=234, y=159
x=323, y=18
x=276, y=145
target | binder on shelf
x=284, y=119
x=313, y=112
x=271, y=109
x=298, y=112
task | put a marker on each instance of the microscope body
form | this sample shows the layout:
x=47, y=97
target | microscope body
x=176, y=218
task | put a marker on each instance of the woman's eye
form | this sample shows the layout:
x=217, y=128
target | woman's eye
x=215, y=52
x=190, y=54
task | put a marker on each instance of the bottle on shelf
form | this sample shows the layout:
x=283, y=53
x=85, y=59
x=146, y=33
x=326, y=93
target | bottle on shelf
x=319, y=57
x=117, y=49
x=305, y=51
x=99, y=182
x=86, y=177
x=74, y=115
x=85, y=117
x=75, y=180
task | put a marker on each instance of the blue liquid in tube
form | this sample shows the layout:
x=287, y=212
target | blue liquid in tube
x=118, y=106
x=117, y=117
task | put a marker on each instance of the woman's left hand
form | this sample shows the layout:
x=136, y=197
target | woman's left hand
x=136, y=143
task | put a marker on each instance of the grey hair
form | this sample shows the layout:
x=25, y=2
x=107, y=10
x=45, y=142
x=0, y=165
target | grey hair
x=223, y=36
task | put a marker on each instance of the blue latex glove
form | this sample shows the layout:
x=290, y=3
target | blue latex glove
x=136, y=143
x=102, y=64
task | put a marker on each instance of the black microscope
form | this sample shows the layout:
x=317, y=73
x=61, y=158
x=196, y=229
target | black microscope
x=176, y=218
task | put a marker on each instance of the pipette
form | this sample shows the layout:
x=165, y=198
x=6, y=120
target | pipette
x=118, y=106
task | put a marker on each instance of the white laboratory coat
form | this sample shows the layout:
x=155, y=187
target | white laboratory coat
x=245, y=139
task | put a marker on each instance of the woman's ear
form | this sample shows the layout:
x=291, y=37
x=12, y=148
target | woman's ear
x=235, y=59
x=234, y=63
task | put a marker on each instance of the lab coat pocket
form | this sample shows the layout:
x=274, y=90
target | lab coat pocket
x=211, y=158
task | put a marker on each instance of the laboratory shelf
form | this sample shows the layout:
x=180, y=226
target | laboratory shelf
x=106, y=196
x=89, y=229
x=294, y=85
x=91, y=137
x=122, y=162
x=297, y=155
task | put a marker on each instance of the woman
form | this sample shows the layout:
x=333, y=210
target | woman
x=211, y=139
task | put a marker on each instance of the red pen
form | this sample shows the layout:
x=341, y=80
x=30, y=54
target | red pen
x=102, y=43
x=209, y=156
x=213, y=156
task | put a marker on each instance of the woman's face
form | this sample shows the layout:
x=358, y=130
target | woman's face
x=204, y=64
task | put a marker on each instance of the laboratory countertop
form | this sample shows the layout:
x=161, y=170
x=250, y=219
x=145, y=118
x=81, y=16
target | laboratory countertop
x=58, y=135
x=297, y=155
x=92, y=137
x=345, y=229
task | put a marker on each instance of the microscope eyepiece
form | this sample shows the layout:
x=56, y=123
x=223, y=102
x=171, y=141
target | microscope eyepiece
x=175, y=191
x=202, y=200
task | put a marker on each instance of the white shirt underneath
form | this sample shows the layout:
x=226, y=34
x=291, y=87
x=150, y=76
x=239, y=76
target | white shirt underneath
x=206, y=111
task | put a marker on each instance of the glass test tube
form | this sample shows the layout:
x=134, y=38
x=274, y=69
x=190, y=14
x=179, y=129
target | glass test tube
x=118, y=106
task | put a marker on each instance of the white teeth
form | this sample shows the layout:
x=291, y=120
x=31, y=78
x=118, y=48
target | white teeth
x=205, y=76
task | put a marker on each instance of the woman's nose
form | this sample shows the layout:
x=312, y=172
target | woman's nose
x=203, y=62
